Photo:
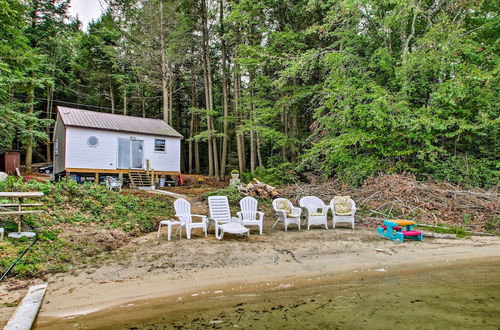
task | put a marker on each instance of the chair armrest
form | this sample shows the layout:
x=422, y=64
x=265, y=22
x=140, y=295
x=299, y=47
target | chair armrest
x=298, y=209
x=261, y=215
x=199, y=216
x=280, y=213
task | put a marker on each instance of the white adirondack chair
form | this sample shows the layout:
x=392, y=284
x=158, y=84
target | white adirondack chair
x=112, y=183
x=220, y=214
x=248, y=213
x=286, y=212
x=341, y=210
x=183, y=213
x=316, y=211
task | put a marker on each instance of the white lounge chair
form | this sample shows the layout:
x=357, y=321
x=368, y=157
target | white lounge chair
x=286, y=212
x=248, y=213
x=316, y=211
x=183, y=213
x=112, y=183
x=220, y=214
x=343, y=210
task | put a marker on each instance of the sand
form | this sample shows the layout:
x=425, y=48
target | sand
x=148, y=268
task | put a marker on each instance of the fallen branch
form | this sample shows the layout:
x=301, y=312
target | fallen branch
x=438, y=235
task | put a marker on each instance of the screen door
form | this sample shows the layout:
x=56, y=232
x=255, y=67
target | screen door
x=123, y=153
x=137, y=153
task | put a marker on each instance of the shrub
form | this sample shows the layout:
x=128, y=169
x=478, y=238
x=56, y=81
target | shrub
x=231, y=192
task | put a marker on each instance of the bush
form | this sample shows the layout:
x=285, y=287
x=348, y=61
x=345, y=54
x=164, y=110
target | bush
x=465, y=170
x=277, y=176
x=231, y=192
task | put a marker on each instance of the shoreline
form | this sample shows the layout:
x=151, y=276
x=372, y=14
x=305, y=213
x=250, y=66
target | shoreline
x=158, y=270
x=128, y=298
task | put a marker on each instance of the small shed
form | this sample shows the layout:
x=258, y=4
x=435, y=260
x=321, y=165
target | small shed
x=104, y=143
x=9, y=161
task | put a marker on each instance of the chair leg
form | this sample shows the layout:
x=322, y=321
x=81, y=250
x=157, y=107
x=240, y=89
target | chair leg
x=169, y=228
x=276, y=223
x=159, y=227
x=260, y=229
x=286, y=226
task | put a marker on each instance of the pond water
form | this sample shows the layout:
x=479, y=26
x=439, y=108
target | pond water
x=455, y=297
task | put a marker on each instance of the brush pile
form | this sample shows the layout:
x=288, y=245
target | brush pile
x=257, y=188
x=402, y=196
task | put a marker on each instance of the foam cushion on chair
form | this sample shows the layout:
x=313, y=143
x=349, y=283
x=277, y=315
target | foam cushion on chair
x=283, y=205
x=411, y=233
x=316, y=214
x=294, y=215
x=342, y=205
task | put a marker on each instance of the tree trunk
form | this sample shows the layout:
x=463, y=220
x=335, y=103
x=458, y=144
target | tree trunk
x=213, y=159
x=294, y=132
x=225, y=98
x=125, y=102
x=29, y=143
x=111, y=94
x=165, y=83
x=50, y=97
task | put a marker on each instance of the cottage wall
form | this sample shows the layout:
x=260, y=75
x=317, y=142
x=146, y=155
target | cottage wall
x=104, y=155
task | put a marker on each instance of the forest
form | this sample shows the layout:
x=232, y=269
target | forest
x=284, y=88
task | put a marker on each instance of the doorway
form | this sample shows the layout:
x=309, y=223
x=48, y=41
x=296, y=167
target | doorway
x=130, y=153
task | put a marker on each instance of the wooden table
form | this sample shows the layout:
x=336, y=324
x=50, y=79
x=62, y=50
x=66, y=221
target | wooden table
x=16, y=208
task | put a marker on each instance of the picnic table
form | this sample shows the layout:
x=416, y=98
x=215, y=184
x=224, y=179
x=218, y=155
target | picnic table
x=16, y=208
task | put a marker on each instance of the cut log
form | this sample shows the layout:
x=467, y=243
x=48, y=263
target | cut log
x=438, y=235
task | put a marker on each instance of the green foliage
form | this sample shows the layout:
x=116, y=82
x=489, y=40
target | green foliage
x=67, y=203
x=460, y=232
x=277, y=176
x=232, y=193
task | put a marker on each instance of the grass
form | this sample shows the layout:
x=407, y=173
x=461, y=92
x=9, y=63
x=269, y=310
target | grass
x=460, y=232
x=82, y=224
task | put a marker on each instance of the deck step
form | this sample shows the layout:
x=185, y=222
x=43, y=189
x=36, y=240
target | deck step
x=140, y=179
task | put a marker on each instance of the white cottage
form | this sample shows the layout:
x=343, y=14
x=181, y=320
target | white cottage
x=103, y=143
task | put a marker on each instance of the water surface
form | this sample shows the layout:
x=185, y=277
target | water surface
x=455, y=297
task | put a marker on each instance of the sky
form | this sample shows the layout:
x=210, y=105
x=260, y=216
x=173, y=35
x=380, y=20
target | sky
x=86, y=10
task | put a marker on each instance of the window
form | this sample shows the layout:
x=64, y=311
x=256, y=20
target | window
x=56, y=147
x=160, y=145
x=93, y=141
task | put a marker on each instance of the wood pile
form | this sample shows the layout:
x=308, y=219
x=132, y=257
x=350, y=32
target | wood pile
x=259, y=189
x=402, y=196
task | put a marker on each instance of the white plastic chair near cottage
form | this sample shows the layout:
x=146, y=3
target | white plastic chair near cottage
x=286, y=212
x=248, y=214
x=183, y=213
x=316, y=211
x=220, y=214
x=112, y=183
x=343, y=210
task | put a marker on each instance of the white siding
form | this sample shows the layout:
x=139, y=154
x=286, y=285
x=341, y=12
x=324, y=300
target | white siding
x=59, y=145
x=105, y=155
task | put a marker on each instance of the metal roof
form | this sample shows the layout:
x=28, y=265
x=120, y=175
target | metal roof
x=113, y=122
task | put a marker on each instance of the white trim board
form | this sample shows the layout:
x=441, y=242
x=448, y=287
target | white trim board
x=26, y=312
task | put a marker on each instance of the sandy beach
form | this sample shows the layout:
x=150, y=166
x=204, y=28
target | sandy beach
x=182, y=270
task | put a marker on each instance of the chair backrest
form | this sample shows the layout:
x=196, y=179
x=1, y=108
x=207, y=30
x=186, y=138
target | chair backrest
x=248, y=207
x=183, y=210
x=219, y=208
x=282, y=204
x=311, y=202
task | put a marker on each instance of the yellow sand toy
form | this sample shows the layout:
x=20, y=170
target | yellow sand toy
x=393, y=230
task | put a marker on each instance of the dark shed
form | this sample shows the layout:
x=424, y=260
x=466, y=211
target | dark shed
x=9, y=161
